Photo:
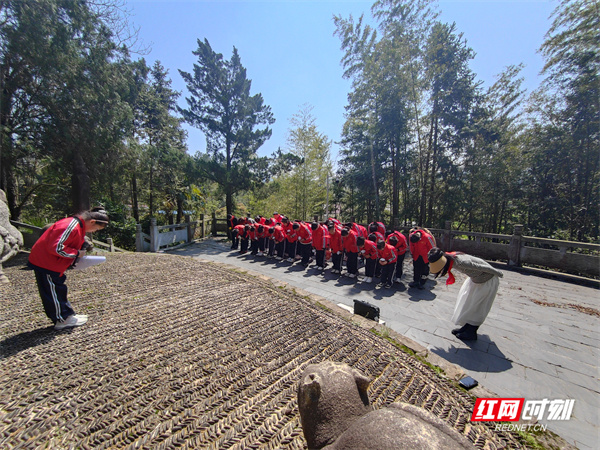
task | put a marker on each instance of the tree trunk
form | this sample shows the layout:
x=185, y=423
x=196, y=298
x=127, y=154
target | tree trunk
x=134, y=199
x=80, y=184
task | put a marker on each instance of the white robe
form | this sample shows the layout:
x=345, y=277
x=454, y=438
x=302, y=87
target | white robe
x=475, y=301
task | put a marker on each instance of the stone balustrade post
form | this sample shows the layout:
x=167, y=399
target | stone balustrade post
x=153, y=236
x=514, y=248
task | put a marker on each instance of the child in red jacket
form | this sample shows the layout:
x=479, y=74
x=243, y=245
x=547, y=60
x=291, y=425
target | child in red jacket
x=368, y=249
x=387, y=259
x=55, y=251
x=420, y=244
x=337, y=248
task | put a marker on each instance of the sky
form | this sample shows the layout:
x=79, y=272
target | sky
x=293, y=59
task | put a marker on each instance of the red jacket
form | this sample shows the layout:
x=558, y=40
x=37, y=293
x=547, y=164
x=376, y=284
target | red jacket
x=335, y=241
x=402, y=246
x=304, y=234
x=278, y=233
x=380, y=227
x=290, y=234
x=388, y=253
x=320, y=238
x=241, y=229
x=265, y=232
x=59, y=246
x=370, y=250
x=350, y=242
x=379, y=236
x=422, y=247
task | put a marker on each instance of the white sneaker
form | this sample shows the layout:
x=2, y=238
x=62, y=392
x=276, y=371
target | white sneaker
x=260, y=254
x=278, y=258
x=351, y=275
x=319, y=268
x=290, y=260
x=368, y=280
x=75, y=320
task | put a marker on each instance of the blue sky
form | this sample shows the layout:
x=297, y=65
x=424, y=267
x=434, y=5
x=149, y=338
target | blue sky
x=293, y=58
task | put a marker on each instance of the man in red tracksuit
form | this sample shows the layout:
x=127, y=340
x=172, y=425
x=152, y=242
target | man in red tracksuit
x=278, y=235
x=320, y=243
x=57, y=249
x=398, y=241
x=369, y=250
x=233, y=221
x=349, y=240
x=337, y=247
x=387, y=259
x=253, y=237
x=291, y=237
x=240, y=232
x=262, y=232
x=304, y=241
x=420, y=244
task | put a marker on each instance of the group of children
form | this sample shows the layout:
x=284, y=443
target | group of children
x=382, y=251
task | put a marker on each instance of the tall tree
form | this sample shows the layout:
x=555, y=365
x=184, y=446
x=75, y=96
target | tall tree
x=308, y=180
x=565, y=136
x=62, y=80
x=220, y=105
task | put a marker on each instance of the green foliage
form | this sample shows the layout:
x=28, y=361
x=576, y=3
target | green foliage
x=122, y=227
x=221, y=105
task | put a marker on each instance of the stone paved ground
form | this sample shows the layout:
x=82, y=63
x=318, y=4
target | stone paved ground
x=182, y=353
x=540, y=340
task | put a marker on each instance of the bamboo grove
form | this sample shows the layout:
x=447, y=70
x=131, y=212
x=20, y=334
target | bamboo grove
x=83, y=122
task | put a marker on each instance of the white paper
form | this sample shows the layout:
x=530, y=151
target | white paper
x=88, y=261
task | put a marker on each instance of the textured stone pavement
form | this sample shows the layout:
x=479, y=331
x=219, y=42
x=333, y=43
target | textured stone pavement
x=540, y=340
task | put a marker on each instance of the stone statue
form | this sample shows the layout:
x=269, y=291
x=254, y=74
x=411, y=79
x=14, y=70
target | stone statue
x=336, y=414
x=11, y=239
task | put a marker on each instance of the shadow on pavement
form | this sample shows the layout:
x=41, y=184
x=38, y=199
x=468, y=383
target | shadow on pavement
x=482, y=355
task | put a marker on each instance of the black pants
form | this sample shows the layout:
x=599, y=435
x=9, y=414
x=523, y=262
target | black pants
x=305, y=252
x=235, y=243
x=320, y=256
x=352, y=262
x=400, y=265
x=290, y=249
x=337, y=260
x=280, y=248
x=253, y=246
x=370, y=267
x=271, y=243
x=421, y=270
x=244, y=245
x=53, y=292
x=261, y=244
x=387, y=272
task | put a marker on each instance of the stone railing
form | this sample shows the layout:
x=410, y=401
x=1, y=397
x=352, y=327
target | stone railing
x=164, y=236
x=518, y=250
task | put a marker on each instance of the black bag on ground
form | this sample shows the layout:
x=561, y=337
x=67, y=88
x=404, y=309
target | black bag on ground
x=366, y=309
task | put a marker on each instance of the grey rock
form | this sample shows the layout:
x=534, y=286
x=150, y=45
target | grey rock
x=336, y=414
x=11, y=239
